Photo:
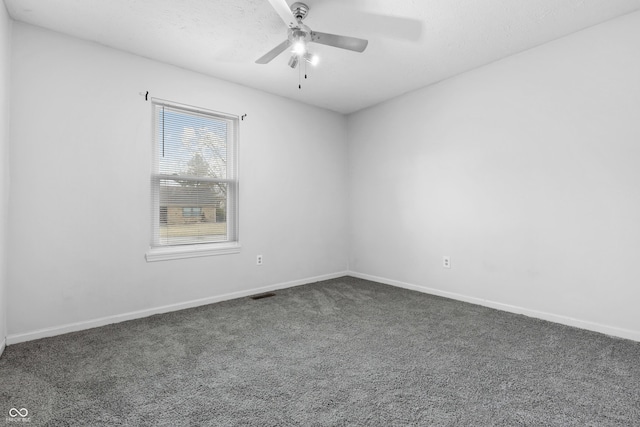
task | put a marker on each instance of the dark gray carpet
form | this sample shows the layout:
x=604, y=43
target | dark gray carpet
x=340, y=352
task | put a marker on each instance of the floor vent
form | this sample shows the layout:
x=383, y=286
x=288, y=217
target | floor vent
x=267, y=295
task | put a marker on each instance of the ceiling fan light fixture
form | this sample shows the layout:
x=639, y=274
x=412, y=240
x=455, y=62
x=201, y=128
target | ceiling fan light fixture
x=299, y=48
x=311, y=58
x=293, y=61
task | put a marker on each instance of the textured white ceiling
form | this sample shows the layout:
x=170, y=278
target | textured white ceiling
x=412, y=43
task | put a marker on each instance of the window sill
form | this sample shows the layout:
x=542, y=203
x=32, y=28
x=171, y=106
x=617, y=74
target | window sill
x=191, y=251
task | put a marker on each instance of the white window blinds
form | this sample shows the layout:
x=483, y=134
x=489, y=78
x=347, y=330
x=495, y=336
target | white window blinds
x=194, y=183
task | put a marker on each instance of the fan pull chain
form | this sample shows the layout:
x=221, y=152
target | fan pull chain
x=300, y=73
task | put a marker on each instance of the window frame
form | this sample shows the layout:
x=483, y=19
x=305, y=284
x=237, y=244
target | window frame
x=161, y=252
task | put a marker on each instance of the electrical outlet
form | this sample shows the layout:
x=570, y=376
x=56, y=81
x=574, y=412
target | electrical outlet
x=259, y=260
x=446, y=261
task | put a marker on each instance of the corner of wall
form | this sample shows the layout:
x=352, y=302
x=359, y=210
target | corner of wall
x=5, y=54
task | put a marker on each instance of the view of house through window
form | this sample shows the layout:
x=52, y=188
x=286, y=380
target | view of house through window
x=194, y=183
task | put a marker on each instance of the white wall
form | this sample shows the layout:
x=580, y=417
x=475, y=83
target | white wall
x=81, y=158
x=526, y=172
x=5, y=60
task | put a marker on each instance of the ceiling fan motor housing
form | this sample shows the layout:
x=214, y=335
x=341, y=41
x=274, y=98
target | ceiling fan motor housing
x=299, y=10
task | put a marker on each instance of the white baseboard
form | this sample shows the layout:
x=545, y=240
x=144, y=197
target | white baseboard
x=3, y=344
x=556, y=318
x=94, y=323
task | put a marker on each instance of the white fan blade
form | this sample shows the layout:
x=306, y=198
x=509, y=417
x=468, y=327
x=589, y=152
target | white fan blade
x=343, y=42
x=285, y=13
x=269, y=56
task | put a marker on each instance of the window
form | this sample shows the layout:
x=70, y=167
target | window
x=194, y=212
x=163, y=215
x=194, y=184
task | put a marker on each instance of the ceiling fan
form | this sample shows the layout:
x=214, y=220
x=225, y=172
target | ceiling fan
x=299, y=36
